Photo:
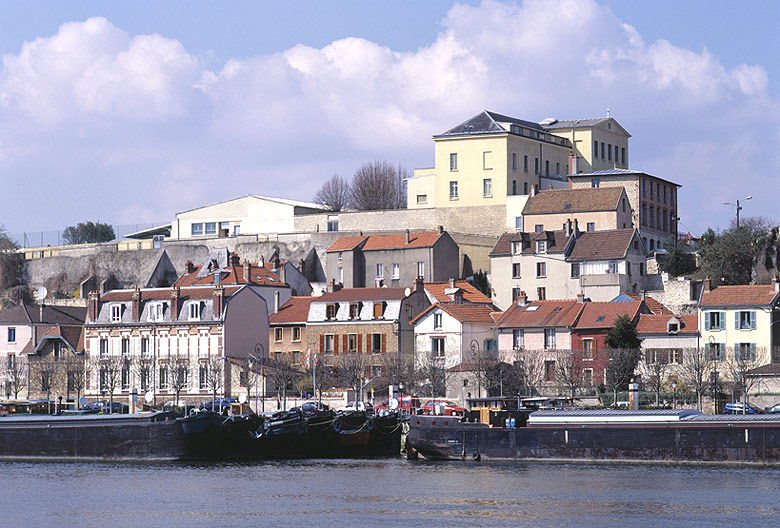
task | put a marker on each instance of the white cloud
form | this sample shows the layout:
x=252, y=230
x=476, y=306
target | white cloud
x=143, y=112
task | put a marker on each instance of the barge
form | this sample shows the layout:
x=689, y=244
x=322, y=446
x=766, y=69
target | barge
x=590, y=435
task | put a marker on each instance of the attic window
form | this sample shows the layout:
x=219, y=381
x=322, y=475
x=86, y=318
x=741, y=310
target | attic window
x=330, y=311
x=567, y=205
x=116, y=313
x=194, y=311
x=557, y=309
x=531, y=308
x=600, y=318
x=673, y=327
x=270, y=279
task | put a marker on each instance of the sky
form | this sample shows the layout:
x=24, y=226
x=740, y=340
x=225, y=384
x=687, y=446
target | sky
x=127, y=112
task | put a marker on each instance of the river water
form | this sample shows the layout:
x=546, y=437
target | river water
x=395, y=492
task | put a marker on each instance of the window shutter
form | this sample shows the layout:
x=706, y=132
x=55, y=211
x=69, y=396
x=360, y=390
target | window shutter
x=706, y=320
x=722, y=320
x=359, y=343
x=384, y=343
x=752, y=351
x=753, y=321
x=322, y=343
x=346, y=345
x=736, y=320
x=369, y=344
x=336, y=344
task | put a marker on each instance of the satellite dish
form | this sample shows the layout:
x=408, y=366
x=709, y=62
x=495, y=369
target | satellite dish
x=82, y=401
x=393, y=404
x=242, y=398
x=42, y=292
x=407, y=292
x=148, y=397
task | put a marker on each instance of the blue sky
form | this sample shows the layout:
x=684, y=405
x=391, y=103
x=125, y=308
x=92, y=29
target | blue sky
x=127, y=112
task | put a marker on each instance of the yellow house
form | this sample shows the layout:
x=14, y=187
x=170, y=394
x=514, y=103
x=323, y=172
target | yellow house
x=491, y=157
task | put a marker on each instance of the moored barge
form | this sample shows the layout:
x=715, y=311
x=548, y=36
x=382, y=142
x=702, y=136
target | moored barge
x=652, y=435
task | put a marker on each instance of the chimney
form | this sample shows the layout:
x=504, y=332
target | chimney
x=189, y=267
x=93, y=306
x=576, y=230
x=40, y=311
x=262, y=262
x=441, y=229
x=276, y=302
x=136, y=304
x=219, y=301
x=302, y=266
x=706, y=284
x=568, y=227
x=283, y=274
x=774, y=283
x=332, y=286
x=522, y=299
x=452, y=282
x=234, y=260
x=407, y=237
x=419, y=285
x=247, y=271
x=533, y=190
x=581, y=298
x=175, y=298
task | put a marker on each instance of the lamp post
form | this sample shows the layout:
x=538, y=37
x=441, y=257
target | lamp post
x=674, y=388
x=739, y=208
x=474, y=355
x=260, y=352
x=714, y=374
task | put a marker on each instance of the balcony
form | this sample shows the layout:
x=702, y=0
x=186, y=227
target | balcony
x=603, y=279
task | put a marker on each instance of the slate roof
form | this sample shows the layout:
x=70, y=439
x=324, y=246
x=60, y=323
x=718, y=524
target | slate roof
x=437, y=290
x=28, y=313
x=619, y=172
x=295, y=310
x=602, y=245
x=504, y=244
x=657, y=324
x=463, y=312
x=486, y=122
x=574, y=200
x=772, y=369
x=577, y=123
x=603, y=314
x=546, y=314
x=363, y=294
x=557, y=242
x=164, y=294
x=740, y=295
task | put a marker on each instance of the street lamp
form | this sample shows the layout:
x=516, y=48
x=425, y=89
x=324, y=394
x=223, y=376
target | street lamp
x=739, y=208
x=474, y=356
x=674, y=388
x=260, y=352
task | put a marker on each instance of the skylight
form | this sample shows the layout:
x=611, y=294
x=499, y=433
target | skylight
x=600, y=318
x=531, y=308
x=557, y=309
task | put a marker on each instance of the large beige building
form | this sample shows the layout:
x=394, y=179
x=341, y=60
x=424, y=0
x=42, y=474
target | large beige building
x=590, y=209
x=492, y=156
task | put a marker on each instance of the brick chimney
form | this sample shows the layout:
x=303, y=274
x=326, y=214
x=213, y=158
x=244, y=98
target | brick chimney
x=189, y=267
x=93, y=306
x=175, y=298
x=774, y=283
x=441, y=229
x=576, y=230
x=219, y=301
x=283, y=274
x=522, y=299
x=136, y=304
x=332, y=286
x=419, y=285
x=706, y=284
x=452, y=282
x=581, y=298
x=568, y=227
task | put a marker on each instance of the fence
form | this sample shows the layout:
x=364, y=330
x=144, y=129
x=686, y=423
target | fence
x=28, y=239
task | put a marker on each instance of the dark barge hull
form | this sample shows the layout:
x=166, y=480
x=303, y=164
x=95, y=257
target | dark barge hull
x=715, y=439
x=156, y=436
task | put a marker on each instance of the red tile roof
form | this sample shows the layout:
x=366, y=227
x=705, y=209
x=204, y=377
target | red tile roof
x=573, y=200
x=164, y=294
x=556, y=242
x=295, y=310
x=389, y=241
x=463, y=312
x=71, y=334
x=545, y=313
x=347, y=243
x=261, y=275
x=657, y=324
x=363, y=294
x=742, y=295
x=603, y=314
x=470, y=293
x=598, y=245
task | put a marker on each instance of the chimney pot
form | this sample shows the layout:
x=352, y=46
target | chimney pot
x=247, y=271
x=707, y=284
x=581, y=298
x=276, y=302
x=441, y=229
x=452, y=283
x=407, y=236
x=522, y=299
x=189, y=267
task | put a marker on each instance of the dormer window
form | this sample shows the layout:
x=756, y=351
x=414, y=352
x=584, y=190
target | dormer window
x=156, y=311
x=116, y=313
x=541, y=246
x=330, y=311
x=379, y=310
x=673, y=326
x=354, y=311
x=194, y=311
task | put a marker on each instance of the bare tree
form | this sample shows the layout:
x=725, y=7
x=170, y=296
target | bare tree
x=77, y=370
x=529, y=365
x=214, y=375
x=143, y=368
x=379, y=185
x=395, y=369
x=109, y=368
x=334, y=193
x=46, y=375
x=325, y=378
x=351, y=370
x=696, y=369
x=15, y=372
x=654, y=368
x=178, y=375
x=620, y=369
x=570, y=369
x=742, y=360
x=283, y=374
x=431, y=376
x=247, y=378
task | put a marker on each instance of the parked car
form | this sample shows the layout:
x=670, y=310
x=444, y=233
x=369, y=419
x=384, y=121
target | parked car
x=741, y=408
x=447, y=407
x=311, y=407
x=216, y=405
x=360, y=406
x=775, y=409
x=407, y=404
x=104, y=407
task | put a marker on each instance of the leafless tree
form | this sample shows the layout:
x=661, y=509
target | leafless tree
x=570, y=369
x=77, y=370
x=109, y=368
x=738, y=366
x=620, y=368
x=143, y=368
x=431, y=376
x=46, y=374
x=15, y=371
x=351, y=369
x=653, y=369
x=379, y=185
x=214, y=376
x=324, y=378
x=283, y=374
x=395, y=369
x=247, y=378
x=178, y=375
x=334, y=193
x=529, y=365
x=696, y=369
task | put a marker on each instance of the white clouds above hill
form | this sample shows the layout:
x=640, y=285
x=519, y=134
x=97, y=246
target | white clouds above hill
x=140, y=123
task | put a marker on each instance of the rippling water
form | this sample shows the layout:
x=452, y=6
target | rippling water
x=384, y=492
